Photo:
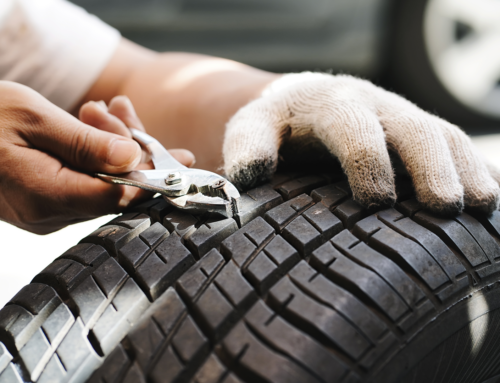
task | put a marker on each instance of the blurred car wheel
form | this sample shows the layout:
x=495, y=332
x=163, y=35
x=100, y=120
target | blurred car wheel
x=445, y=56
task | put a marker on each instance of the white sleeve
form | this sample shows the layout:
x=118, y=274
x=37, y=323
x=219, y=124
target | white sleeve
x=54, y=47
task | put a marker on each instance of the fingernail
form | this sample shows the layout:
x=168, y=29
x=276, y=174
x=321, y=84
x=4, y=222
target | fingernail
x=101, y=104
x=123, y=152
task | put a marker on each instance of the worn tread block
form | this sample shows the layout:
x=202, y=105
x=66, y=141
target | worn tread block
x=167, y=369
x=36, y=354
x=132, y=254
x=283, y=214
x=302, y=235
x=364, y=281
x=54, y=371
x=87, y=254
x=256, y=202
x=113, y=368
x=230, y=378
x=400, y=248
x=297, y=186
x=235, y=287
x=328, y=293
x=482, y=237
x=350, y=212
x=454, y=235
x=131, y=221
x=324, y=221
x=17, y=325
x=426, y=238
x=10, y=375
x=58, y=324
x=193, y=281
x=211, y=371
x=214, y=311
x=63, y=275
x=146, y=206
x=134, y=375
x=210, y=235
x=90, y=301
x=244, y=243
x=71, y=268
x=329, y=196
x=271, y=264
x=157, y=323
x=190, y=347
x=383, y=266
x=37, y=298
x=491, y=222
x=181, y=223
x=224, y=301
x=252, y=359
x=154, y=234
x=109, y=276
x=112, y=237
x=301, y=348
x=320, y=321
x=115, y=322
x=159, y=210
x=281, y=177
x=5, y=357
x=164, y=266
x=76, y=354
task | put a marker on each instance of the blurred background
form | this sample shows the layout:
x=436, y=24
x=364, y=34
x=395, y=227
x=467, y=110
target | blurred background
x=443, y=55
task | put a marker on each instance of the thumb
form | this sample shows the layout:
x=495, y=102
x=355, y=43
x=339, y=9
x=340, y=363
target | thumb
x=83, y=146
x=251, y=143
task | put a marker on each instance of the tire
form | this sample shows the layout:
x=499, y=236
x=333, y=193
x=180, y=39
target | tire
x=414, y=68
x=303, y=286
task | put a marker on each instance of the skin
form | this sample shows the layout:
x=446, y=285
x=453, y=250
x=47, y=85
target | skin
x=184, y=100
x=48, y=156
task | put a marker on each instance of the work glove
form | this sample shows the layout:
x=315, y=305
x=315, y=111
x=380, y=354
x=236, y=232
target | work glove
x=358, y=123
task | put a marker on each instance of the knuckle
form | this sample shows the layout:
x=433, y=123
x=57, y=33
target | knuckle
x=81, y=146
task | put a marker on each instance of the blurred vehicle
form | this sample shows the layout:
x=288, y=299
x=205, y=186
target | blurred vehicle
x=442, y=54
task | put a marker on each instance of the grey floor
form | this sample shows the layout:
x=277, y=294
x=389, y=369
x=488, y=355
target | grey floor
x=23, y=254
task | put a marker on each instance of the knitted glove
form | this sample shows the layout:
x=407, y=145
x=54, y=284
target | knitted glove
x=357, y=122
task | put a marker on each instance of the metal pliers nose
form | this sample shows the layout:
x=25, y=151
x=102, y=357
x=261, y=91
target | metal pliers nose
x=185, y=188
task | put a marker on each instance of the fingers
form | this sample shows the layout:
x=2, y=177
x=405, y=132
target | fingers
x=82, y=146
x=251, y=143
x=353, y=134
x=426, y=155
x=481, y=191
x=96, y=114
x=49, y=196
x=121, y=107
x=185, y=157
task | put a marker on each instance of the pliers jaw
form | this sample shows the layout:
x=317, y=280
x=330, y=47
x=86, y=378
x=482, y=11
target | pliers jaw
x=190, y=189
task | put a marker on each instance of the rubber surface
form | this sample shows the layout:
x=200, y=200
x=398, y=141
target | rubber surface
x=304, y=285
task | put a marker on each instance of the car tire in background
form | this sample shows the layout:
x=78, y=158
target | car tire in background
x=304, y=285
x=447, y=59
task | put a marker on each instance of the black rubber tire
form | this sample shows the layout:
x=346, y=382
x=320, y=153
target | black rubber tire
x=409, y=71
x=303, y=286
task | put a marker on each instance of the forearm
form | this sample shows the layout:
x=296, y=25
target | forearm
x=183, y=99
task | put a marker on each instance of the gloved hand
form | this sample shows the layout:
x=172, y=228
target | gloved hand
x=357, y=122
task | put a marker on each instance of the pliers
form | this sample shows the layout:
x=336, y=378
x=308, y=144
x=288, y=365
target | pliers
x=191, y=189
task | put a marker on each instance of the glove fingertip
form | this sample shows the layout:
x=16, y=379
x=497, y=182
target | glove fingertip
x=444, y=208
x=254, y=173
x=386, y=198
